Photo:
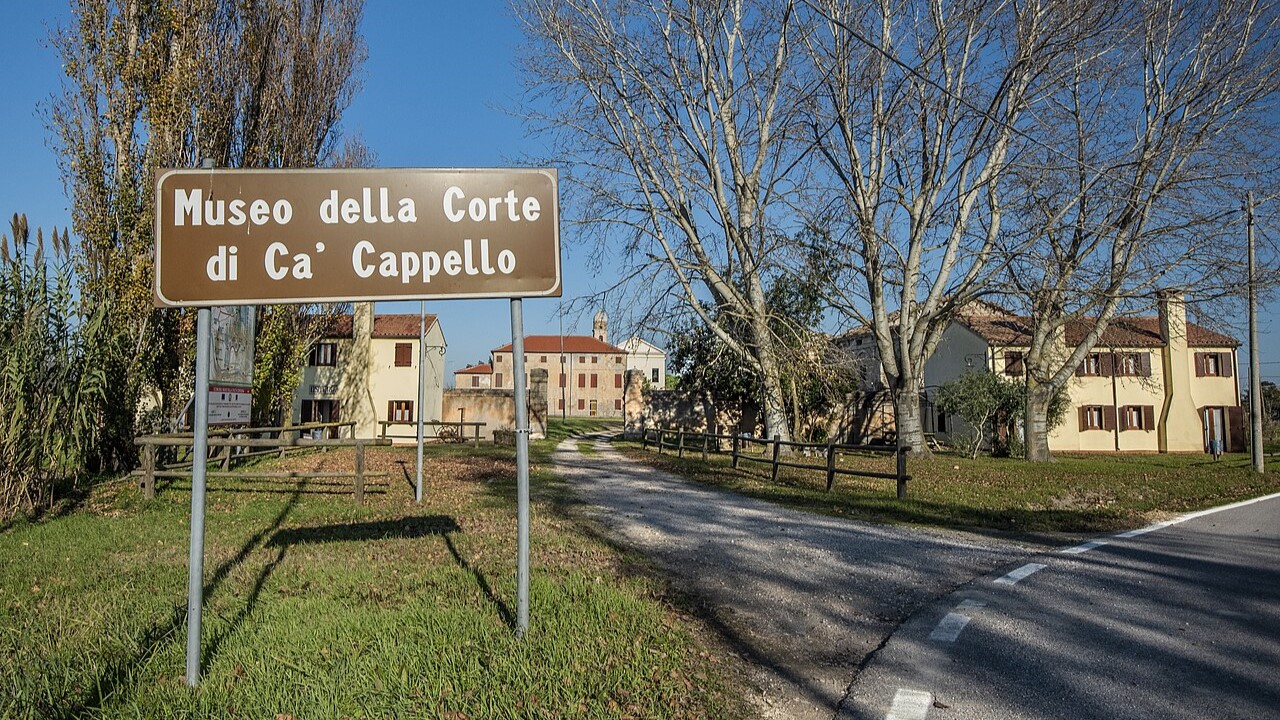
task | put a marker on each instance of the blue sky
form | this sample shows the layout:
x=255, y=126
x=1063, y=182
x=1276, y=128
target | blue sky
x=440, y=87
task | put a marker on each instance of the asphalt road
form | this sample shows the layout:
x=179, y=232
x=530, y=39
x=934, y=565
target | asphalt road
x=804, y=598
x=1180, y=621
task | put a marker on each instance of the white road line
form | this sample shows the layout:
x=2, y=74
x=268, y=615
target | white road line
x=949, y=628
x=971, y=604
x=1084, y=548
x=1194, y=515
x=910, y=705
x=1016, y=575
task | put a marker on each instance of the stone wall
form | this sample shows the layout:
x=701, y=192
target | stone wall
x=496, y=408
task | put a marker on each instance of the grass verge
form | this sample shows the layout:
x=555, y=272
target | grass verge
x=317, y=607
x=1074, y=494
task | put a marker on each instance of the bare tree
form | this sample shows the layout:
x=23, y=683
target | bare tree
x=163, y=83
x=1135, y=175
x=675, y=119
x=918, y=120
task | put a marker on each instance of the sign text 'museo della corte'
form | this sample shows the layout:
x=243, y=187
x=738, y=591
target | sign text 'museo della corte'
x=275, y=236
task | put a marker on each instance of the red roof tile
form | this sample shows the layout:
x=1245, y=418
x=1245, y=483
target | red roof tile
x=384, y=326
x=1014, y=330
x=572, y=344
x=481, y=369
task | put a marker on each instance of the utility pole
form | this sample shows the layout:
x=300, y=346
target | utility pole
x=1255, y=372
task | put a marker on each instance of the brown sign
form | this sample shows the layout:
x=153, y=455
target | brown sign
x=230, y=237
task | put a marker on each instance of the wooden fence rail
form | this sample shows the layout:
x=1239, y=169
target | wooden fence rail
x=445, y=430
x=771, y=453
x=286, y=438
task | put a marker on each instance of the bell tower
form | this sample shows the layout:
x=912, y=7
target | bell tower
x=600, y=327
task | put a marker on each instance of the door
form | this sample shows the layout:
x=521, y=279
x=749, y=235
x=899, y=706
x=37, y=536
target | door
x=1215, y=426
x=595, y=408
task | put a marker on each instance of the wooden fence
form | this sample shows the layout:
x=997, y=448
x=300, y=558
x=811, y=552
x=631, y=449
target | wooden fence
x=771, y=453
x=444, y=430
x=228, y=446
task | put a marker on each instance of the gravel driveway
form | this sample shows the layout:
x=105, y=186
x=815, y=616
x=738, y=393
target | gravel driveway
x=805, y=598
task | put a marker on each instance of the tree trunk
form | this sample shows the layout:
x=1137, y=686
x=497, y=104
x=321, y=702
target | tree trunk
x=906, y=408
x=1036, y=421
x=775, y=411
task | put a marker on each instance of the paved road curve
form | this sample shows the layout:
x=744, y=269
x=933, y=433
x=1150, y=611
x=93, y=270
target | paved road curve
x=1181, y=621
x=804, y=597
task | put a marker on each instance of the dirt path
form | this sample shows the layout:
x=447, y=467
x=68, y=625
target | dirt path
x=804, y=597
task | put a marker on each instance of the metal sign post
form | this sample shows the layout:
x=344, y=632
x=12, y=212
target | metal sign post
x=422, y=391
x=522, y=468
x=199, y=459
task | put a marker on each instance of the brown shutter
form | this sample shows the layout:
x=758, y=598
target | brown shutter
x=1012, y=363
x=1083, y=412
x=1200, y=364
x=1148, y=417
x=391, y=410
x=1224, y=364
x=1123, y=417
x=1080, y=367
x=1144, y=364
x=617, y=380
x=1106, y=361
x=497, y=380
x=1109, y=417
x=1235, y=429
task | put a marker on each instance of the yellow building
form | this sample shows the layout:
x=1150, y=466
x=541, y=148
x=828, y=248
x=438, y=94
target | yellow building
x=1151, y=384
x=364, y=369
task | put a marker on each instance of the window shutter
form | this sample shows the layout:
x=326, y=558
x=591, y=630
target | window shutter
x=1200, y=364
x=497, y=380
x=1224, y=364
x=391, y=410
x=1013, y=363
x=1080, y=367
x=1235, y=430
x=1144, y=364
x=595, y=380
x=1106, y=364
x=1148, y=417
x=582, y=380
x=1083, y=412
x=617, y=380
x=1124, y=417
x=1109, y=417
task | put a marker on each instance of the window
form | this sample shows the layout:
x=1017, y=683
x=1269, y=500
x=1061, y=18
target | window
x=595, y=408
x=655, y=375
x=595, y=358
x=561, y=379
x=1093, y=364
x=582, y=404
x=582, y=380
x=618, y=359
x=475, y=381
x=1212, y=365
x=617, y=404
x=497, y=380
x=404, y=355
x=617, y=380
x=560, y=404
x=497, y=358
x=1138, y=417
x=1127, y=365
x=542, y=358
x=1097, y=417
x=595, y=381
x=400, y=411
x=582, y=358
x=324, y=354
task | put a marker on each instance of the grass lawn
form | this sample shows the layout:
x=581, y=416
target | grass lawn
x=317, y=607
x=1074, y=494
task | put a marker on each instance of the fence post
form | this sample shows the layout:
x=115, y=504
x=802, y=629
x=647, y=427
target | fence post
x=736, y=440
x=902, y=472
x=644, y=439
x=776, y=447
x=831, y=465
x=360, y=472
x=680, y=442
x=704, y=447
x=149, y=471
x=661, y=433
x=477, y=426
